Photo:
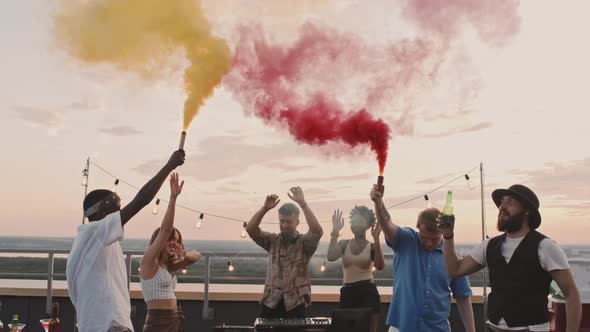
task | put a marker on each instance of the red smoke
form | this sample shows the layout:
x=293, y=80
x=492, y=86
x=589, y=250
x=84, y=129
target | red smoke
x=321, y=122
x=301, y=87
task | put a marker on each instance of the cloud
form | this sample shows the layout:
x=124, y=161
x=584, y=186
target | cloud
x=120, y=131
x=361, y=176
x=287, y=166
x=222, y=157
x=460, y=130
x=84, y=104
x=37, y=117
x=561, y=184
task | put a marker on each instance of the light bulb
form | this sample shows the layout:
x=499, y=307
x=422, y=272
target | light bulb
x=114, y=189
x=156, y=207
x=374, y=269
x=469, y=183
x=138, y=269
x=85, y=177
x=230, y=267
x=428, y=204
x=323, y=267
x=183, y=271
x=198, y=225
x=243, y=235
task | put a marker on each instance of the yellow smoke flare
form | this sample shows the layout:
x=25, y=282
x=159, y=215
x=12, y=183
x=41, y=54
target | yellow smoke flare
x=142, y=36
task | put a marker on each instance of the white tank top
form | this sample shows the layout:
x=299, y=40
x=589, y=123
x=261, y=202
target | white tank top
x=357, y=267
x=160, y=287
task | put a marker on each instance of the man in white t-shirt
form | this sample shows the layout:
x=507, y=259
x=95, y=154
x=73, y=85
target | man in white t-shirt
x=522, y=263
x=96, y=271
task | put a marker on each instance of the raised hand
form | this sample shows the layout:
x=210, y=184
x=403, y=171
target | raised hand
x=376, y=194
x=296, y=194
x=375, y=231
x=271, y=201
x=175, y=186
x=337, y=222
x=176, y=159
x=447, y=229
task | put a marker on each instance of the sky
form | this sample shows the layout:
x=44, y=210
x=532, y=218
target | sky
x=510, y=93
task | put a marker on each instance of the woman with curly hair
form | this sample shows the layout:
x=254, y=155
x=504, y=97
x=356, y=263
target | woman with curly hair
x=359, y=256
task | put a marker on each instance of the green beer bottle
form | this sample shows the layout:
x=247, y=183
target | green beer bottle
x=14, y=325
x=448, y=210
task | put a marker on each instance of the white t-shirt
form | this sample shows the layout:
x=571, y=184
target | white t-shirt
x=97, y=277
x=551, y=257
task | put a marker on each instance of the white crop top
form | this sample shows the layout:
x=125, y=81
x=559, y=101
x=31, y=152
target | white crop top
x=160, y=287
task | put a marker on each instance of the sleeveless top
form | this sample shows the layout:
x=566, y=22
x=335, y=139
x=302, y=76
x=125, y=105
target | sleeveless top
x=357, y=267
x=160, y=287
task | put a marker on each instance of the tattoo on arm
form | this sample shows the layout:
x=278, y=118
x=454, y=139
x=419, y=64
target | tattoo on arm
x=384, y=213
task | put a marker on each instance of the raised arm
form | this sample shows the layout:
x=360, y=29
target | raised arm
x=456, y=267
x=253, y=226
x=151, y=258
x=378, y=260
x=296, y=194
x=147, y=193
x=335, y=248
x=383, y=217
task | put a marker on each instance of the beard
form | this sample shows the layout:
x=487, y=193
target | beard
x=512, y=224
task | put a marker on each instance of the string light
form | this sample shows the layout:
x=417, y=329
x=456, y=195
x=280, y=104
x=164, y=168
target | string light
x=323, y=267
x=156, y=207
x=138, y=269
x=428, y=204
x=230, y=267
x=183, y=271
x=85, y=177
x=469, y=183
x=115, y=186
x=243, y=235
x=373, y=269
x=198, y=225
x=243, y=232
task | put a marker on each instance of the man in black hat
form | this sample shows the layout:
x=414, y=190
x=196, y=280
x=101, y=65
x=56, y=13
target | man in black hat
x=522, y=263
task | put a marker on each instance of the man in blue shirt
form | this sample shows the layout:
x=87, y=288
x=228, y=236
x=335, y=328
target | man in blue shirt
x=421, y=299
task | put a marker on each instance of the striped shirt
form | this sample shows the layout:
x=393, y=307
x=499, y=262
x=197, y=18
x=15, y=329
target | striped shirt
x=160, y=287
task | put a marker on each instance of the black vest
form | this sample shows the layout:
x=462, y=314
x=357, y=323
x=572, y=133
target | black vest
x=519, y=288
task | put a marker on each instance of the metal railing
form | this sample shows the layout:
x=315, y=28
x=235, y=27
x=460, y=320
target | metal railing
x=207, y=312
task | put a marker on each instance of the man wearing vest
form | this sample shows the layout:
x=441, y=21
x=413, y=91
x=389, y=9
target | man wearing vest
x=522, y=263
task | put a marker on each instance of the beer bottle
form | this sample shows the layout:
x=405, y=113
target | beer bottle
x=1, y=325
x=54, y=322
x=14, y=325
x=448, y=210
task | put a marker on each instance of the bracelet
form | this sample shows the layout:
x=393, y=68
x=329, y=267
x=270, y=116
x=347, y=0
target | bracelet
x=450, y=237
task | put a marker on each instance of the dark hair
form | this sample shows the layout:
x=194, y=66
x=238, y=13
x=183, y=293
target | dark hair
x=428, y=219
x=171, y=237
x=364, y=212
x=288, y=210
x=94, y=197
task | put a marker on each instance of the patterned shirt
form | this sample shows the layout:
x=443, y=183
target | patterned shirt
x=287, y=275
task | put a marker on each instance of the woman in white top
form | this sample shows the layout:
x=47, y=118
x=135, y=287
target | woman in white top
x=359, y=256
x=164, y=255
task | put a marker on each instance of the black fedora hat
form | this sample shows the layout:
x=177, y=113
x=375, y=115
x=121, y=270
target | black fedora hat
x=524, y=196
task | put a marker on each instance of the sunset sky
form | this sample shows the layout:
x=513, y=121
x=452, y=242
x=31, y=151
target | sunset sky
x=511, y=92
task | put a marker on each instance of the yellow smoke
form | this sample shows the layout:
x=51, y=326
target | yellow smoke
x=141, y=36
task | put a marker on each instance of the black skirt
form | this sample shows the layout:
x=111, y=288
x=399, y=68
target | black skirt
x=360, y=294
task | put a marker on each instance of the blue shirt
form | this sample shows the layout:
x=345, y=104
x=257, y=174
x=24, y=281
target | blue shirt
x=421, y=299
